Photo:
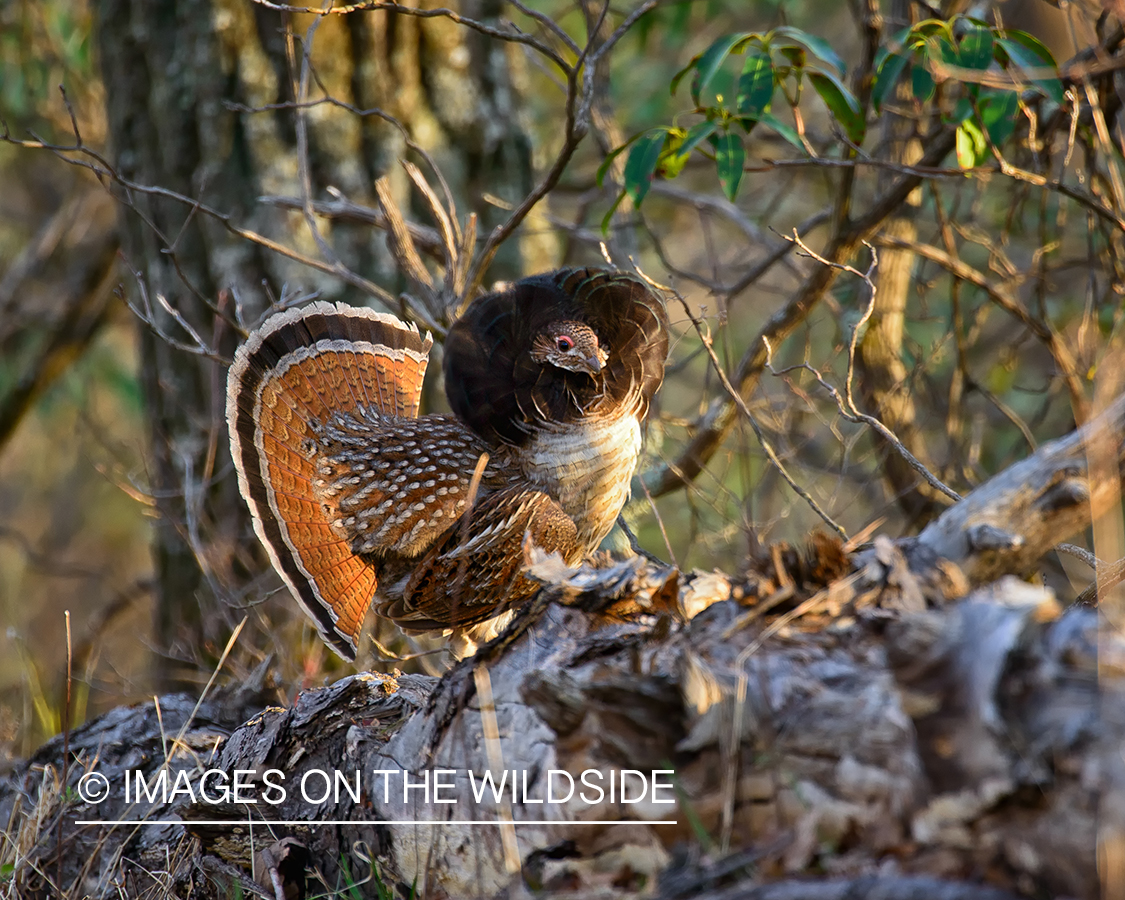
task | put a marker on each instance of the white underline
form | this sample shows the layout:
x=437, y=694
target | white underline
x=338, y=822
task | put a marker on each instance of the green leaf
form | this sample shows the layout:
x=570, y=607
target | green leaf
x=921, y=82
x=672, y=162
x=611, y=156
x=972, y=149
x=928, y=28
x=944, y=58
x=730, y=159
x=840, y=102
x=965, y=156
x=1031, y=56
x=998, y=115
x=887, y=77
x=962, y=111
x=607, y=219
x=788, y=36
x=696, y=135
x=897, y=43
x=794, y=55
x=679, y=76
x=708, y=63
x=640, y=165
x=975, y=51
x=941, y=49
x=755, y=86
x=786, y=131
x=1032, y=45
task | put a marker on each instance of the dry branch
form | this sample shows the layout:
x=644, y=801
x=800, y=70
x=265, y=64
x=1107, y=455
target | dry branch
x=1012, y=520
x=86, y=311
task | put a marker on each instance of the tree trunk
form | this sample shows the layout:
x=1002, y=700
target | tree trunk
x=200, y=97
x=884, y=378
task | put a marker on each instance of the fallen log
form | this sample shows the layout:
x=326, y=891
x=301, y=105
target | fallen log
x=907, y=721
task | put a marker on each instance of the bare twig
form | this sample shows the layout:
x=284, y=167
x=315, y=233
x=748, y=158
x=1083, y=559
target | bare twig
x=83, y=319
x=715, y=423
x=851, y=412
x=1062, y=355
x=424, y=238
x=88, y=158
x=705, y=337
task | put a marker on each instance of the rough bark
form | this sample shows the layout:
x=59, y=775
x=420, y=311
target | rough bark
x=897, y=741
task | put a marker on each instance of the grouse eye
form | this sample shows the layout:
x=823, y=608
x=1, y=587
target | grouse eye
x=565, y=344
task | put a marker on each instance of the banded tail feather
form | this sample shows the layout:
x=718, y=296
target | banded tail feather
x=298, y=373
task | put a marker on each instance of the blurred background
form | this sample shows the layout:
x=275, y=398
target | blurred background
x=143, y=209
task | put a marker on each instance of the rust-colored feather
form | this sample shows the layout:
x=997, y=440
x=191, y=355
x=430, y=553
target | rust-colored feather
x=301, y=370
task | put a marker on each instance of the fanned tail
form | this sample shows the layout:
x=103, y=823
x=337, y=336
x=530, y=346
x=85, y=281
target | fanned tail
x=299, y=370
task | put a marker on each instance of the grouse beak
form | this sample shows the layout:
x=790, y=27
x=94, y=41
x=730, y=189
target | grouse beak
x=594, y=364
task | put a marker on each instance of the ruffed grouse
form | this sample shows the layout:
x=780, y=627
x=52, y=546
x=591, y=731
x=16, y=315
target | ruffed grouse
x=357, y=498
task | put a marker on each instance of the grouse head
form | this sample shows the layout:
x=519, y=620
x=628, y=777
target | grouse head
x=556, y=349
x=569, y=345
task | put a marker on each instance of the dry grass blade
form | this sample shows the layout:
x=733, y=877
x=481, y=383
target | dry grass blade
x=496, y=761
x=210, y=681
x=447, y=223
x=446, y=218
x=468, y=245
x=402, y=244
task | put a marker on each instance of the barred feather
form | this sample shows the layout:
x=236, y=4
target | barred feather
x=357, y=498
